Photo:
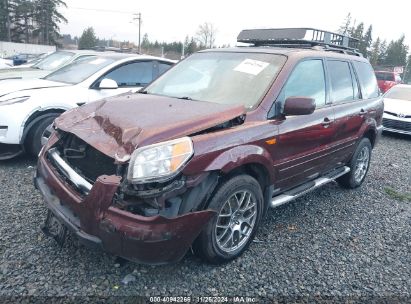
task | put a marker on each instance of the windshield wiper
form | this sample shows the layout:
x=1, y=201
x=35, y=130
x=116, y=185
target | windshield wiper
x=142, y=92
x=185, y=98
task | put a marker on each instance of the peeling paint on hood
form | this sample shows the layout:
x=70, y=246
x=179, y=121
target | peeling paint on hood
x=117, y=126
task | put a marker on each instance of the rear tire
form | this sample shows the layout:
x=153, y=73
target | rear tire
x=239, y=204
x=39, y=134
x=359, y=165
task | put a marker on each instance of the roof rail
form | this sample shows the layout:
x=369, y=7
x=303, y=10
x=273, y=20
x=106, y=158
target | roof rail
x=300, y=37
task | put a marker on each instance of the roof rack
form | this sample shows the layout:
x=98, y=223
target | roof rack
x=301, y=38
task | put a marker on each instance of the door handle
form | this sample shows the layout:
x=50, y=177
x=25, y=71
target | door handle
x=326, y=122
x=362, y=112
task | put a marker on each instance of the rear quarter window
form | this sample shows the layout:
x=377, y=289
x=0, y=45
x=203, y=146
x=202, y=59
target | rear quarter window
x=368, y=81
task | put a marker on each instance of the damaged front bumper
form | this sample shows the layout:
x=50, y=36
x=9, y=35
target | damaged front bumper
x=93, y=219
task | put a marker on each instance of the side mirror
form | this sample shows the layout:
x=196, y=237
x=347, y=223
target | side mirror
x=108, y=83
x=299, y=106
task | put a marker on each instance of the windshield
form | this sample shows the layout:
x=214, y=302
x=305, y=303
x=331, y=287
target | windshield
x=54, y=61
x=399, y=93
x=79, y=70
x=220, y=77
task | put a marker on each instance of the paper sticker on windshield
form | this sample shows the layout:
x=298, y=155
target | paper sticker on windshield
x=250, y=66
x=97, y=61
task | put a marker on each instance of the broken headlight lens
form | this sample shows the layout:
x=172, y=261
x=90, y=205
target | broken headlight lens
x=161, y=161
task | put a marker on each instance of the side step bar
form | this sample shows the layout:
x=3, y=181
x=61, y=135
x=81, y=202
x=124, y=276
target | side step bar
x=292, y=194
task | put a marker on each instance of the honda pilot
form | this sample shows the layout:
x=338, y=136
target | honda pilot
x=196, y=158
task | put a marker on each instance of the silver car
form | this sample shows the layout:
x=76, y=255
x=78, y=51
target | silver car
x=46, y=65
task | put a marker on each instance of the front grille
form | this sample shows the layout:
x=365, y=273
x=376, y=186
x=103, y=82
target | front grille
x=84, y=159
x=396, y=124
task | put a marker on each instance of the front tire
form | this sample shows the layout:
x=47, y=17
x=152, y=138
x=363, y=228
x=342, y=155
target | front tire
x=239, y=204
x=359, y=165
x=39, y=134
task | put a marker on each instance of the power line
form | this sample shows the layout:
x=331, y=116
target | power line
x=99, y=10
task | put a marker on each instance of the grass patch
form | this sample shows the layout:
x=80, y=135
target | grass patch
x=397, y=195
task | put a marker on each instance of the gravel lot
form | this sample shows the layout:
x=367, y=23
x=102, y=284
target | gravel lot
x=330, y=243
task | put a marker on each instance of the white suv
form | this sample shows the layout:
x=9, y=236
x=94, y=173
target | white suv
x=28, y=107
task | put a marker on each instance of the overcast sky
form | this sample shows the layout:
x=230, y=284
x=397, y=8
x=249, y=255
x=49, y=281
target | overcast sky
x=173, y=20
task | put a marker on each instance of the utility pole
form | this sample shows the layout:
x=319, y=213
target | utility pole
x=138, y=17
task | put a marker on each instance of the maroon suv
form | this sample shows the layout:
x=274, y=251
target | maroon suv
x=198, y=156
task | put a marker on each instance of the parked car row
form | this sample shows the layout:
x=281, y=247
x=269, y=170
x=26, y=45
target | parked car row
x=45, y=65
x=150, y=161
x=19, y=59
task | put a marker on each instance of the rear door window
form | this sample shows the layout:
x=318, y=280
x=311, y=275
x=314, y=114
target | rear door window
x=368, y=81
x=342, y=85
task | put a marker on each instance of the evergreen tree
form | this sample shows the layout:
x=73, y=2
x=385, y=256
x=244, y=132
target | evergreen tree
x=22, y=13
x=358, y=31
x=30, y=20
x=186, y=43
x=88, y=39
x=366, y=42
x=383, y=52
x=375, y=52
x=192, y=46
x=4, y=20
x=406, y=77
x=145, y=43
x=47, y=19
x=344, y=28
x=397, y=53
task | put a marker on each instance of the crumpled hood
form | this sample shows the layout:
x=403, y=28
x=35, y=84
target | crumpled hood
x=397, y=106
x=117, y=126
x=17, y=85
x=22, y=73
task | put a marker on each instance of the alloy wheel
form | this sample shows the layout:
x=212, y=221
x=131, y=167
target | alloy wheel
x=361, y=165
x=236, y=221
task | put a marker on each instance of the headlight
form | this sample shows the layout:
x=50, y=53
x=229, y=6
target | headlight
x=14, y=100
x=161, y=161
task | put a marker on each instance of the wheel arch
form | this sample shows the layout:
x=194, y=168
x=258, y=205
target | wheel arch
x=245, y=157
x=259, y=172
x=35, y=117
x=254, y=169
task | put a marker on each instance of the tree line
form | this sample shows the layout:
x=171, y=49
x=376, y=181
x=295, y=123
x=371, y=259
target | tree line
x=204, y=38
x=31, y=21
x=379, y=52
